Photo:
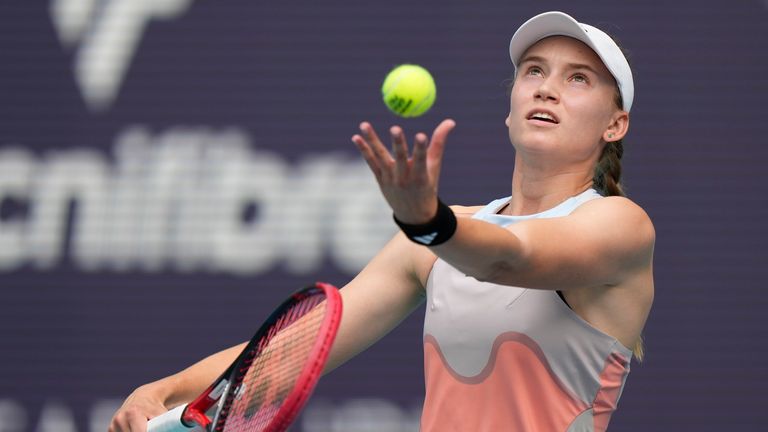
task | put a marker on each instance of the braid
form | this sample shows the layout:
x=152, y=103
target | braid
x=607, y=177
x=608, y=170
x=607, y=181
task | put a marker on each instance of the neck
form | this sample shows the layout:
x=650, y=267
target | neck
x=539, y=188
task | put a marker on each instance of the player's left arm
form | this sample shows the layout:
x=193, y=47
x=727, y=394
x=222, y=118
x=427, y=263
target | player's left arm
x=601, y=243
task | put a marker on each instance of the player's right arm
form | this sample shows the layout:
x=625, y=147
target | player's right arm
x=155, y=398
x=387, y=290
x=384, y=293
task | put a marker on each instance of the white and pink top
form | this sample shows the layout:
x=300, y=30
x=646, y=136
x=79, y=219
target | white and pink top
x=502, y=358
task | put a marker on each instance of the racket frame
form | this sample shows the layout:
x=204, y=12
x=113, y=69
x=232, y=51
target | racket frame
x=218, y=392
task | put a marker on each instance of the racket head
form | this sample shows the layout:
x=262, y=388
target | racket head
x=277, y=371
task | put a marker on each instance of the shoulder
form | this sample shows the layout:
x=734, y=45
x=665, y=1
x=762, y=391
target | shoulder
x=617, y=211
x=620, y=221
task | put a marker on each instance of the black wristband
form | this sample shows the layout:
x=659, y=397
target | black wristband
x=434, y=232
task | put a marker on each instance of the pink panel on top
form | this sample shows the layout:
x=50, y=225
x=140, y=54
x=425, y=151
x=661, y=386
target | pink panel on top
x=611, y=380
x=516, y=391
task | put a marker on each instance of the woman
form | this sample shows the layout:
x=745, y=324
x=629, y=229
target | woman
x=532, y=300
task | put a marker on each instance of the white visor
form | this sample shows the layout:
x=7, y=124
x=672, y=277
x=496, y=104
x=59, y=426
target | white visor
x=561, y=24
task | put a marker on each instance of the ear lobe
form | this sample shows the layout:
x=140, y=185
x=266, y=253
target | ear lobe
x=508, y=119
x=618, y=128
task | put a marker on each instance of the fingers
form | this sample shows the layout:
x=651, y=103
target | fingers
x=133, y=415
x=379, y=150
x=375, y=154
x=378, y=157
x=437, y=145
x=368, y=155
x=420, y=145
x=427, y=154
x=135, y=418
x=440, y=135
x=129, y=420
x=400, y=149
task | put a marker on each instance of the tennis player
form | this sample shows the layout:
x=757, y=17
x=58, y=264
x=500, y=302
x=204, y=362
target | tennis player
x=535, y=302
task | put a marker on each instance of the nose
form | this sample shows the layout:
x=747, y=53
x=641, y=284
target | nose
x=546, y=91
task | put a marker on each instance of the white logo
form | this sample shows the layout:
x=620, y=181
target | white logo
x=426, y=239
x=189, y=199
x=105, y=35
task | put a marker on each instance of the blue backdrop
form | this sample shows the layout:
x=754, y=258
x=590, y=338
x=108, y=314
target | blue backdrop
x=170, y=169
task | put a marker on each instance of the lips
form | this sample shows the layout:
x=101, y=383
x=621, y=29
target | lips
x=543, y=116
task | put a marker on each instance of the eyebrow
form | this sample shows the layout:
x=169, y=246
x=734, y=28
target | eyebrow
x=537, y=59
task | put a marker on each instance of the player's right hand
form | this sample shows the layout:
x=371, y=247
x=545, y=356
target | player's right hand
x=137, y=409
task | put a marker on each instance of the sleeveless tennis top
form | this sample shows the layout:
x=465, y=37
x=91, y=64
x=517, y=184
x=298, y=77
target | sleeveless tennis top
x=502, y=358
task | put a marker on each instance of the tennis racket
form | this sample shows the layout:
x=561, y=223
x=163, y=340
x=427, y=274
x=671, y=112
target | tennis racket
x=267, y=385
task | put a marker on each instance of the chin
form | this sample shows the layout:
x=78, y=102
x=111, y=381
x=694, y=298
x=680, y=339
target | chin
x=533, y=142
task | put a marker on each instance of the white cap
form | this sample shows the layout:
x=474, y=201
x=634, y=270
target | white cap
x=560, y=24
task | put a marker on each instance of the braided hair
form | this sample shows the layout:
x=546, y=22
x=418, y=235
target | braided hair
x=607, y=177
x=607, y=181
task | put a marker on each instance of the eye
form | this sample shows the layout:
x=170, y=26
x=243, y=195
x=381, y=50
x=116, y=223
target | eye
x=535, y=70
x=580, y=78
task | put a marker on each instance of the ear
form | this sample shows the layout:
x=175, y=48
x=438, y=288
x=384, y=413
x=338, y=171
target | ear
x=618, y=127
x=508, y=119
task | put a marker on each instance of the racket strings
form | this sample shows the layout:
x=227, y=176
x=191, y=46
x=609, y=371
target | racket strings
x=268, y=377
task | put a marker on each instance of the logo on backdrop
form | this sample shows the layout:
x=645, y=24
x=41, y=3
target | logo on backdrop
x=105, y=35
x=184, y=198
x=190, y=199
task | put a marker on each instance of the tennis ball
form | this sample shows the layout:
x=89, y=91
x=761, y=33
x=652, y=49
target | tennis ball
x=409, y=90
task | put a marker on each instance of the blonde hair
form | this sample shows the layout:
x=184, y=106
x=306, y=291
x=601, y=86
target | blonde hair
x=639, y=349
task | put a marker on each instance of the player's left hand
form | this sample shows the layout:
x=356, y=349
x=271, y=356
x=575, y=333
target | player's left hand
x=409, y=183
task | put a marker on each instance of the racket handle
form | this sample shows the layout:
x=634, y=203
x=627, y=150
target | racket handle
x=171, y=422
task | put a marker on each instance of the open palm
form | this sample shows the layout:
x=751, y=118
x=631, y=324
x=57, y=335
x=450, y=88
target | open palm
x=408, y=182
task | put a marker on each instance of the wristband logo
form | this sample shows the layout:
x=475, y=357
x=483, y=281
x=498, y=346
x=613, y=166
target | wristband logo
x=105, y=35
x=437, y=231
x=426, y=239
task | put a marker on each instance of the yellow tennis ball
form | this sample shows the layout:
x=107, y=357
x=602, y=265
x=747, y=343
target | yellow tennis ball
x=409, y=90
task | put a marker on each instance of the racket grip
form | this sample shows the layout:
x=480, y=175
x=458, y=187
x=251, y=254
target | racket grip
x=171, y=422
